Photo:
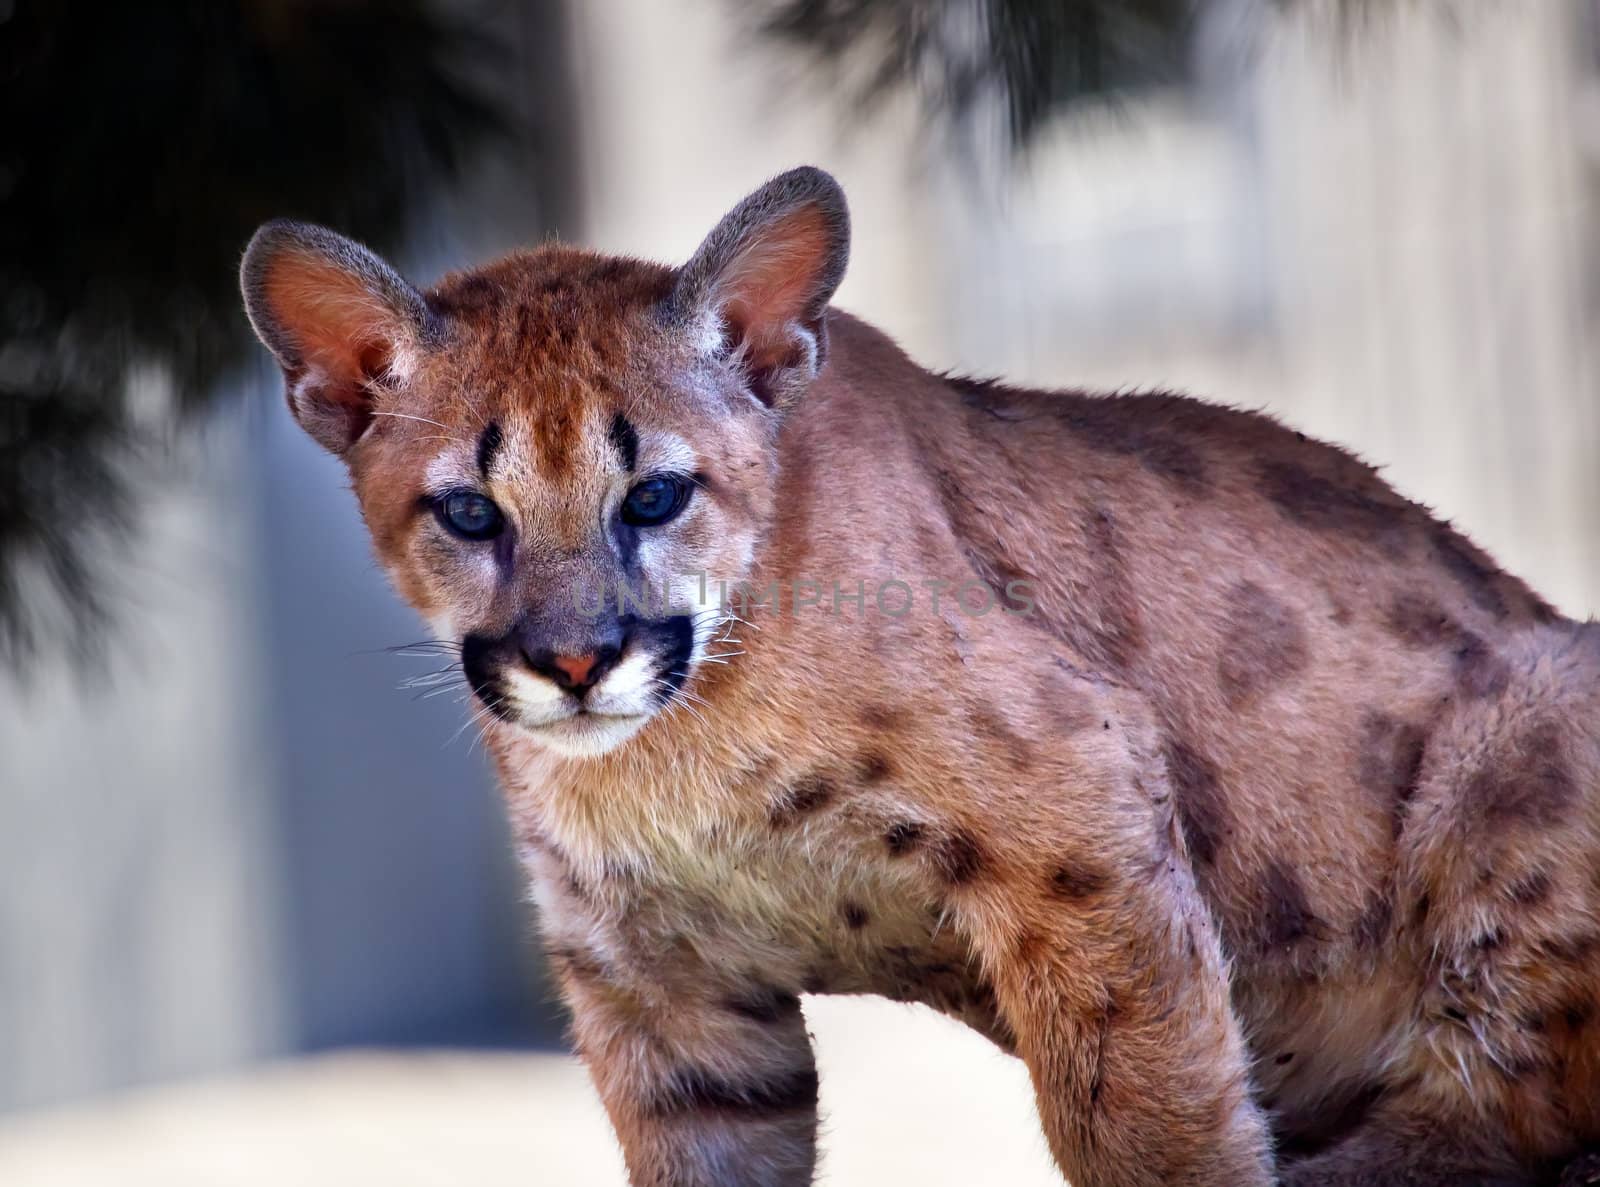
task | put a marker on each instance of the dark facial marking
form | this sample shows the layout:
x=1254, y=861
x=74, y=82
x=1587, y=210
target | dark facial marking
x=958, y=857
x=480, y=666
x=1532, y=786
x=489, y=443
x=625, y=439
x=1286, y=918
x=1284, y=1058
x=1202, y=810
x=902, y=838
x=810, y=794
x=855, y=916
x=672, y=643
x=1265, y=643
x=694, y=1090
x=766, y=1005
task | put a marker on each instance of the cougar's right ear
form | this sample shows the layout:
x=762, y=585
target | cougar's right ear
x=757, y=290
x=341, y=323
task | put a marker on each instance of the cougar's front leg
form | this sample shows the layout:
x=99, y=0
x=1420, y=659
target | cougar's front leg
x=1105, y=963
x=707, y=1075
x=1121, y=1013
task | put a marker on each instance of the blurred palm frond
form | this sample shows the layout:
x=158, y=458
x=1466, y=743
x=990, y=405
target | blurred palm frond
x=1032, y=58
x=141, y=145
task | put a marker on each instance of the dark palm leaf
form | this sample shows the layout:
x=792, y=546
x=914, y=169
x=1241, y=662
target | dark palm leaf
x=141, y=144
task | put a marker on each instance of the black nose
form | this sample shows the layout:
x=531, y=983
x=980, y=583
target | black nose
x=576, y=673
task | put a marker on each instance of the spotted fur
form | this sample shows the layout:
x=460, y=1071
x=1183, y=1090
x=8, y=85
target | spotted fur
x=1268, y=838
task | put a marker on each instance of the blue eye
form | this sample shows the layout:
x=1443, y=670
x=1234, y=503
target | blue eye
x=469, y=515
x=654, y=501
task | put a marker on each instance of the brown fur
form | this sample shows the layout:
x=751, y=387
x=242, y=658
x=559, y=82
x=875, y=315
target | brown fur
x=1269, y=841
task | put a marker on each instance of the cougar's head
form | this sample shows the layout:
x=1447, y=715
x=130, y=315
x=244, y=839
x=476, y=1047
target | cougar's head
x=562, y=457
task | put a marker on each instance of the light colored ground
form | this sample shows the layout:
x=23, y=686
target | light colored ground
x=907, y=1098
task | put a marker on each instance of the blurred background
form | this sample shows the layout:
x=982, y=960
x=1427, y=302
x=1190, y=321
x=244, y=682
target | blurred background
x=258, y=918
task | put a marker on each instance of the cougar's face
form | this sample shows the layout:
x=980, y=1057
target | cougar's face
x=564, y=458
x=563, y=487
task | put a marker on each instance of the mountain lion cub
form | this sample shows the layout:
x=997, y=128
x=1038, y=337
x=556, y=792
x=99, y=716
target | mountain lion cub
x=1251, y=806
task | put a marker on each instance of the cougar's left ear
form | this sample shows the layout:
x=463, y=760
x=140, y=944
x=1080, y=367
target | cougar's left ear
x=758, y=287
x=341, y=323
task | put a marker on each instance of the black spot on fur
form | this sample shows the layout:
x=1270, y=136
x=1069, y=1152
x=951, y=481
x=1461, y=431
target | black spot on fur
x=807, y=796
x=1532, y=889
x=958, y=857
x=992, y=727
x=1471, y=568
x=855, y=916
x=1532, y=786
x=1265, y=643
x=1077, y=880
x=694, y=1090
x=973, y=531
x=766, y=1005
x=1202, y=810
x=625, y=439
x=1420, y=623
x=1284, y=1058
x=1390, y=761
x=1125, y=426
x=1115, y=628
x=1286, y=915
x=1479, y=671
x=468, y=295
x=1569, y=950
x=1107, y=426
x=874, y=767
x=1319, y=503
x=879, y=719
x=1377, y=918
x=902, y=838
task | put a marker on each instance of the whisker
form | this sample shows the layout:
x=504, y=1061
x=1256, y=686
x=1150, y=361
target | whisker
x=409, y=416
x=674, y=701
x=474, y=718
